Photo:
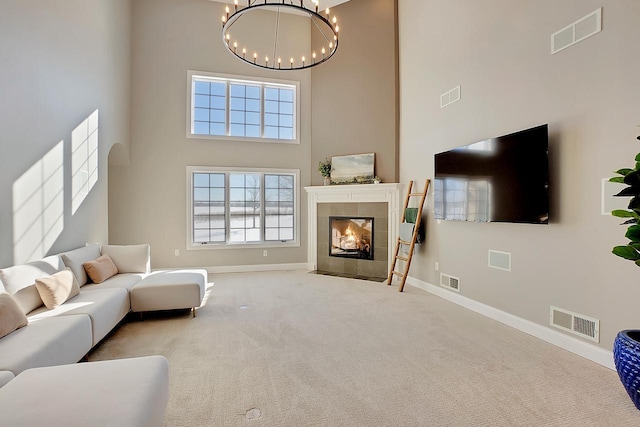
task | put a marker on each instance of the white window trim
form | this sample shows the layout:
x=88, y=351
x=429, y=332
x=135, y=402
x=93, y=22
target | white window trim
x=243, y=80
x=191, y=246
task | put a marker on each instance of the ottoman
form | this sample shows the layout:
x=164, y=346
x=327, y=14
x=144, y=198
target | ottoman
x=125, y=392
x=169, y=290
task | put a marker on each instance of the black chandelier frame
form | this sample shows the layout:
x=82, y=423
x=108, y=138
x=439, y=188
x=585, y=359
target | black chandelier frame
x=239, y=11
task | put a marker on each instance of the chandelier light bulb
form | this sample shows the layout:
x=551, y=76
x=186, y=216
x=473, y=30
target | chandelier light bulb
x=327, y=11
x=335, y=20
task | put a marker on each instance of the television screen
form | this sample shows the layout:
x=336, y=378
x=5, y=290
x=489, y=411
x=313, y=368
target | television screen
x=504, y=179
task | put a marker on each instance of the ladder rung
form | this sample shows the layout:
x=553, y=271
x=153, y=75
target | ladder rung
x=415, y=194
x=402, y=258
x=398, y=274
x=404, y=242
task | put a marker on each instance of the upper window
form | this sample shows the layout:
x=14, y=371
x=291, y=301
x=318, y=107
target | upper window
x=237, y=108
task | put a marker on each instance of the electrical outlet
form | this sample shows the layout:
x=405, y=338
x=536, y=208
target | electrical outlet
x=176, y=252
x=264, y=253
x=436, y=266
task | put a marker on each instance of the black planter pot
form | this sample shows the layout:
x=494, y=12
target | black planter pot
x=626, y=355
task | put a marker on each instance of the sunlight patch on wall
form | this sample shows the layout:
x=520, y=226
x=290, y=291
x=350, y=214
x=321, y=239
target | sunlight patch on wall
x=84, y=160
x=38, y=206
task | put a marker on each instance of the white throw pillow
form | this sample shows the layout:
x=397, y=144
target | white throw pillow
x=19, y=280
x=11, y=315
x=129, y=258
x=75, y=258
x=57, y=288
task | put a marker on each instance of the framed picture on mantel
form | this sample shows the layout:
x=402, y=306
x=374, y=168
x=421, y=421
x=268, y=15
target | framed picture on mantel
x=353, y=169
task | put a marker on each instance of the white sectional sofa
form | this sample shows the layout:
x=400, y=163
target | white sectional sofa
x=66, y=333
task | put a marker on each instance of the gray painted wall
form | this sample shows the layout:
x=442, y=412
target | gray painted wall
x=355, y=95
x=61, y=61
x=148, y=197
x=589, y=94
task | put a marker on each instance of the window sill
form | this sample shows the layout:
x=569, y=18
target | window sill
x=242, y=246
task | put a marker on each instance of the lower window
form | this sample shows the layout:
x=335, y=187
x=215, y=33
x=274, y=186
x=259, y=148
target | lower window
x=242, y=206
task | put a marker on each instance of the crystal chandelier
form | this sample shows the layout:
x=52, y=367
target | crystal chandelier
x=279, y=37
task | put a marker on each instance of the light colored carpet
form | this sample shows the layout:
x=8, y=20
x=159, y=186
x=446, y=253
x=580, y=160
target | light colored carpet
x=311, y=350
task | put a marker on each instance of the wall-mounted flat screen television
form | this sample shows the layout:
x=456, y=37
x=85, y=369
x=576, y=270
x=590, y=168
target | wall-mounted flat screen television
x=503, y=179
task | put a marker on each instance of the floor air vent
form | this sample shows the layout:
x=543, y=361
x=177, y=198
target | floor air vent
x=577, y=324
x=450, y=282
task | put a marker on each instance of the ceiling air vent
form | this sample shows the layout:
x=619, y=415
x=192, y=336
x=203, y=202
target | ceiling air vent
x=450, y=96
x=577, y=324
x=450, y=282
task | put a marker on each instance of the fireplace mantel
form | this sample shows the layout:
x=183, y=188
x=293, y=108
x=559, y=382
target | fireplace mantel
x=360, y=193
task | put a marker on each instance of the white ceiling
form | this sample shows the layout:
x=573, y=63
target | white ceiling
x=323, y=3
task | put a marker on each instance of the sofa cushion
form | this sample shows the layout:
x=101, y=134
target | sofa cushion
x=11, y=316
x=105, y=307
x=100, y=269
x=129, y=258
x=57, y=288
x=122, y=280
x=46, y=342
x=5, y=377
x=19, y=280
x=75, y=258
x=124, y=393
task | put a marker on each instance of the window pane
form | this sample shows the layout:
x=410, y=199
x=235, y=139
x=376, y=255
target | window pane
x=218, y=129
x=271, y=119
x=237, y=104
x=236, y=130
x=237, y=90
x=236, y=194
x=236, y=236
x=252, y=118
x=219, y=89
x=253, y=235
x=201, y=128
x=286, y=181
x=253, y=105
x=201, y=194
x=271, y=94
x=286, y=95
x=286, y=234
x=218, y=102
x=236, y=117
x=201, y=114
x=271, y=181
x=286, y=108
x=201, y=101
x=270, y=107
x=253, y=131
x=218, y=235
x=201, y=180
x=271, y=234
x=202, y=87
x=216, y=180
x=286, y=121
x=253, y=92
x=217, y=116
x=286, y=133
x=271, y=221
x=271, y=194
x=216, y=194
x=200, y=236
x=236, y=180
x=270, y=132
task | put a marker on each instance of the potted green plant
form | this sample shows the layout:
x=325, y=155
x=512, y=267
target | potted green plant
x=325, y=170
x=626, y=347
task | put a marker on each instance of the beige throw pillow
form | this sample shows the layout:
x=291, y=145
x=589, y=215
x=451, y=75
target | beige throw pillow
x=100, y=269
x=11, y=316
x=57, y=288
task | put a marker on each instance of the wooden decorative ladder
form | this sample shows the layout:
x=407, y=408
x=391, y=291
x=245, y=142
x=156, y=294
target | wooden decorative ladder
x=408, y=219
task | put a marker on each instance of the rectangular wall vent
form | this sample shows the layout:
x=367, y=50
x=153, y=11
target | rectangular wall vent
x=450, y=282
x=500, y=260
x=577, y=324
x=450, y=96
x=577, y=31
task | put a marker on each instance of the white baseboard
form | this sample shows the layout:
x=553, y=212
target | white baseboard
x=257, y=267
x=571, y=344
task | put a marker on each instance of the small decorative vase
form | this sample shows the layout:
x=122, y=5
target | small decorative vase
x=327, y=180
x=626, y=355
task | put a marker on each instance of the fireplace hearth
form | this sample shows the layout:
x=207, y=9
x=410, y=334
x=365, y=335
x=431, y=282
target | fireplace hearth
x=351, y=237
